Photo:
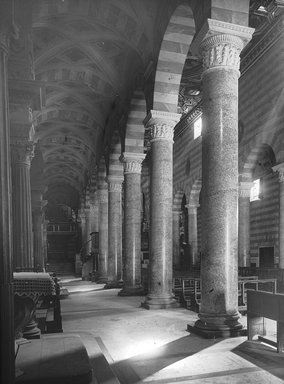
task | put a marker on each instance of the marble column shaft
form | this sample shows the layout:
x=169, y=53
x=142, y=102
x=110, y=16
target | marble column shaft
x=176, y=240
x=244, y=224
x=132, y=224
x=160, y=294
x=114, y=229
x=38, y=238
x=280, y=171
x=219, y=264
x=22, y=153
x=192, y=232
x=6, y=285
x=103, y=234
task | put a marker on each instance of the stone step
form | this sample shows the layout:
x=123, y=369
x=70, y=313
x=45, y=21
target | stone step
x=52, y=360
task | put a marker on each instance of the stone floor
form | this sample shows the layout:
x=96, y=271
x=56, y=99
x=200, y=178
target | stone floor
x=127, y=344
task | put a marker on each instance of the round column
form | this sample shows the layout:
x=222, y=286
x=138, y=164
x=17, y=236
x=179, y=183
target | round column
x=22, y=153
x=114, y=232
x=132, y=224
x=38, y=237
x=7, y=355
x=280, y=171
x=176, y=240
x=103, y=235
x=244, y=224
x=192, y=232
x=218, y=312
x=161, y=222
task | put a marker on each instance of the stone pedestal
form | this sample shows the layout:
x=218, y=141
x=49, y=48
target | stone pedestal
x=132, y=225
x=244, y=224
x=161, y=231
x=103, y=235
x=221, y=47
x=192, y=232
x=114, y=232
x=280, y=170
x=22, y=153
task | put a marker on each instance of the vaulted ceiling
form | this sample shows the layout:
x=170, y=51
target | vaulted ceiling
x=89, y=56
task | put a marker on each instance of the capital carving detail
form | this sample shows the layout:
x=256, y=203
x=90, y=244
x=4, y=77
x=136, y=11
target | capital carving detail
x=114, y=187
x=22, y=153
x=245, y=188
x=162, y=131
x=221, y=50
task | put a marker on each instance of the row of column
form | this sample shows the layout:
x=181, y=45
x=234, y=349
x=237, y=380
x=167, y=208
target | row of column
x=220, y=49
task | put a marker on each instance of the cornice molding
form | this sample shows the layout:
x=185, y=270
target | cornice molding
x=253, y=54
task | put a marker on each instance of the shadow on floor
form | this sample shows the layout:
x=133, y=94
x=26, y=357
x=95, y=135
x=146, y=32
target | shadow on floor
x=162, y=357
x=262, y=356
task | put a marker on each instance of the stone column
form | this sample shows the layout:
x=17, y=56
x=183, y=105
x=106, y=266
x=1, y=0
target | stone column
x=280, y=170
x=103, y=235
x=22, y=153
x=6, y=262
x=45, y=246
x=88, y=230
x=38, y=218
x=132, y=224
x=161, y=222
x=244, y=223
x=221, y=47
x=114, y=232
x=192, y=232
x=176, y=240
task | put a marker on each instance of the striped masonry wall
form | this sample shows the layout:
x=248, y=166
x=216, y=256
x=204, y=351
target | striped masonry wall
x=173, y=53
x=135, y=130
x=261, y=112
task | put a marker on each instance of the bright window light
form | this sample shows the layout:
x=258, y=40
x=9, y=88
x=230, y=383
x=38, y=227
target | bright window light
x=197, y=128
x=255, y=190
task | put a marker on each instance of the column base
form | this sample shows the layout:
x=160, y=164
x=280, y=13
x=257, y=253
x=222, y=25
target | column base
x=160, y=302
x=113, y=284
x=220, y=326
x=132, y=291
x=101, y=280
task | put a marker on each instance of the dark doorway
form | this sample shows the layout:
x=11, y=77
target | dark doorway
x=266, y=257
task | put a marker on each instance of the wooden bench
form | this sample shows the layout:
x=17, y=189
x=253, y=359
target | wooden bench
x=262, y=305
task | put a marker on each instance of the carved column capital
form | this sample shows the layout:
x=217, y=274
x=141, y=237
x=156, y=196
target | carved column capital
x=245, y=188
x=161, y=125
x=220, y=43
x=192, y=208
x=279, y=170
x=221, y=50
x=114, y=183
x=22, y=151
x=132, y=162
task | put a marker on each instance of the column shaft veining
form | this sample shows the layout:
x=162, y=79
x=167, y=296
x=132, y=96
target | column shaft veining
x=132, y=224
x=103, y=235
x=218, y=312
x=22, y=153
x=6, y=260
x=114, y=231
x=160, y=293
x=192, y=232
x=244, y=224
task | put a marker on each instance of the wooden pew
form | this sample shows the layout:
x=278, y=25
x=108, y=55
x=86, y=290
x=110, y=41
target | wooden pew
x=262, y=305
